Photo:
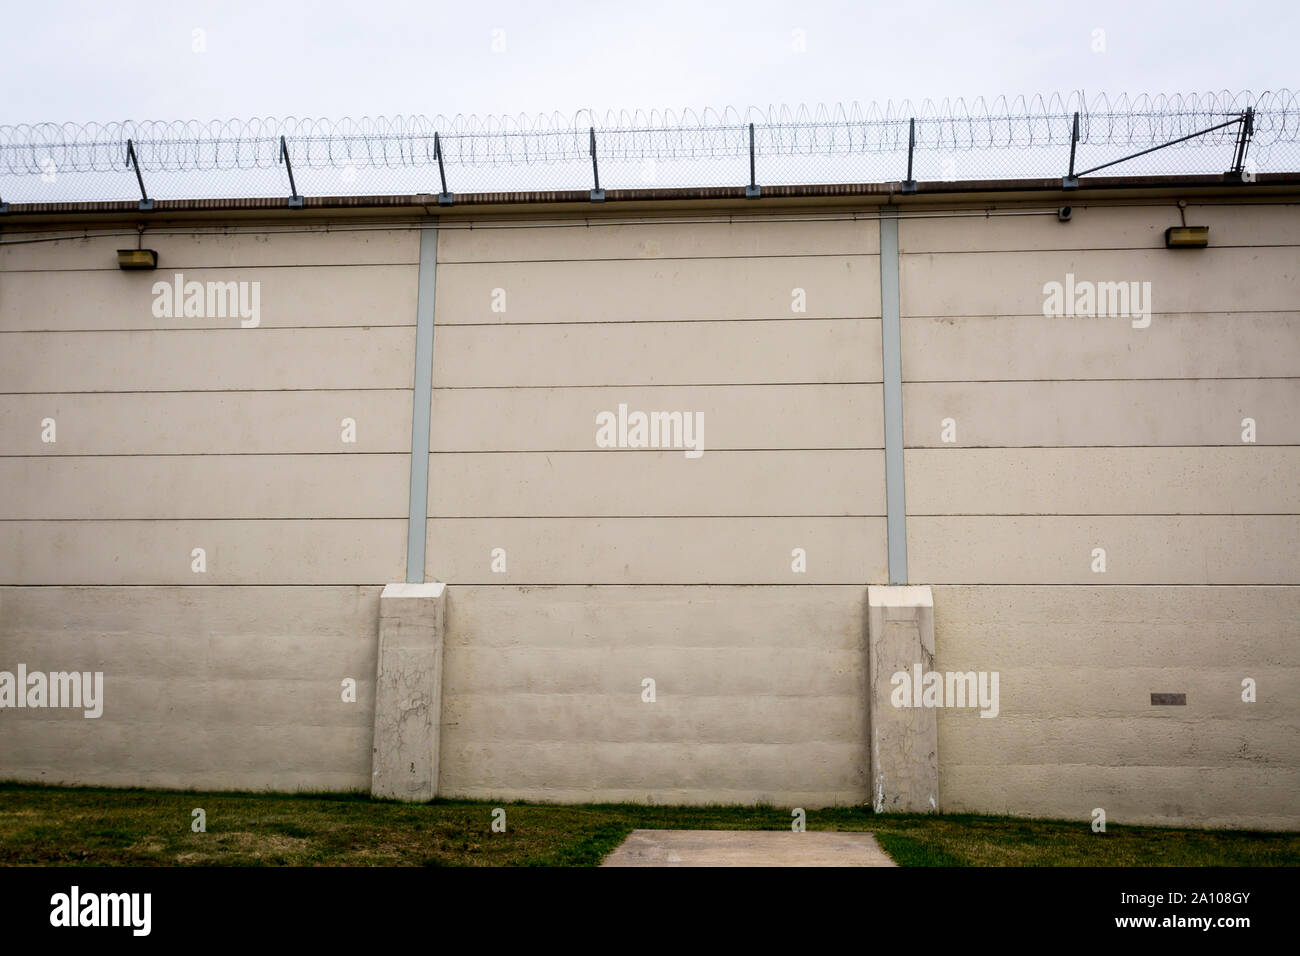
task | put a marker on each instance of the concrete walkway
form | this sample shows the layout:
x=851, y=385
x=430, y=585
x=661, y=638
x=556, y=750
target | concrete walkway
x=747, y=848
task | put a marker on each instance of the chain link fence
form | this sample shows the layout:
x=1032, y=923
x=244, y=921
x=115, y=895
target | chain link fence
x=947, y=142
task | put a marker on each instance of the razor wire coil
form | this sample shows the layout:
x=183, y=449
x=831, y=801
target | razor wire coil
x=848, y=139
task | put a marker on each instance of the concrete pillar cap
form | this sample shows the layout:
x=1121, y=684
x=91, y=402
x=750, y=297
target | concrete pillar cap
x=900, y=595
x=429, y=590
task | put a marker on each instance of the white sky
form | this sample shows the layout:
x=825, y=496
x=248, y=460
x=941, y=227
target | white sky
x=82, y=61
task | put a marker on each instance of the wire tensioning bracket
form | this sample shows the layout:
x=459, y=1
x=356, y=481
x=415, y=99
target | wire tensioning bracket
x=1246, y=119
x=1247, y=129
x=444, y=197
x=295, y=201
x=146, y=204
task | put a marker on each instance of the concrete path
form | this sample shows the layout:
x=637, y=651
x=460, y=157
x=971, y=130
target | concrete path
x=747, y=848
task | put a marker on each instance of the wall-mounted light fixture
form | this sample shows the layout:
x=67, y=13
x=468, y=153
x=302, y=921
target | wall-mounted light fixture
x=137, y=259
x=1187, y=237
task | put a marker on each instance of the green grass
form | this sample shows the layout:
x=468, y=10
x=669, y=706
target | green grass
x=56, y=826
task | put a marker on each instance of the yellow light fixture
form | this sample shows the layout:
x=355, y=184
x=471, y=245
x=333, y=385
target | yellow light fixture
x=1187, y=237
x=137, y=259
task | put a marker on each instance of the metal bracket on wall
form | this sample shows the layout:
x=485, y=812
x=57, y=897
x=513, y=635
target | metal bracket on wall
x=146, y=204
x=444, y=197
x=597, y=194
x=295, y=201
x=752, y=191
x=909, y=184
x=1237, y=172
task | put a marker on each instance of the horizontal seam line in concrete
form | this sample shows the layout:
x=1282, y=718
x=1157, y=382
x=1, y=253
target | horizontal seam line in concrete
x=470, y=451
x=1154, y=378
x=1091, y=584
x=801, y=318
x=1051, y=448
x=1154, y=315
x=406, y=451
x=454, y=324
x=1179, y=621
x=163, y=270
x=220, y=390
x=664, y=584
x=750, y=384
x=633, y=451
x=585, y=260
x=515, y=585
x=220, y=328
x=1093, y=765
x=495, y=585
x=646, y=517
x=324, y=226
x=315, y=519
x=608, y=688
x=1160, y=248
x=397, y=453
x=663, y=451
x=455, y=517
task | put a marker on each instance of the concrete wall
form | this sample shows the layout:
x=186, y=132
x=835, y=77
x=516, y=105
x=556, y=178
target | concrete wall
x=183, y=433
x=1082, y=433
x=696, y=318
x=760, y=694
x=1076, y=728
x=211, y=687
x=624, y=564
x=760, y=687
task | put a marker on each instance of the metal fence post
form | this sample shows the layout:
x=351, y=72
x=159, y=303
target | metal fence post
x=1244, y=132
x=146, y=204
x=295, y=201
x=909, y=184
x=752, y=191
x=444, y=197
x=597, y=194
x=1071, y=181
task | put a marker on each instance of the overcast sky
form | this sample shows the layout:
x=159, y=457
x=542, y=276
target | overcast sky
x=82, y=61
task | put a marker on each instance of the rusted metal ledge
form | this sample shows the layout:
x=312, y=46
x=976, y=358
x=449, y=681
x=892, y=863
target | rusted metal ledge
x=576, y=199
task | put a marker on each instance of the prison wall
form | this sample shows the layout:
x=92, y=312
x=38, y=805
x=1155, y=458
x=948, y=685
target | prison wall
x=622, y=565
x=735, y=581
x=1072, y=434
x=172, y=434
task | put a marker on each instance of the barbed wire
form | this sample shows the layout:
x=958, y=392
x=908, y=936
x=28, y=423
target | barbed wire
x=689, y=138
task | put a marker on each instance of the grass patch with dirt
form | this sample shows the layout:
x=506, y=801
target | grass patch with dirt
x=60, y=826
